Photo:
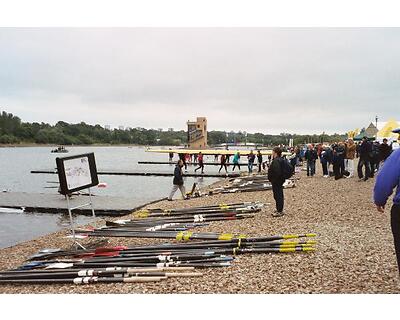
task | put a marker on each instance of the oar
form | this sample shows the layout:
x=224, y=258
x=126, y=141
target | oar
x=88, y=272
x=84, y=280
x=79, y=273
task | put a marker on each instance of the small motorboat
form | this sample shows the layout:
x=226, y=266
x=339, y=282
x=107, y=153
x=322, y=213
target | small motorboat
x=60, y=149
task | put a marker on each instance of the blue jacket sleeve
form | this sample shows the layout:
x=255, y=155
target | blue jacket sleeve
x=387, y=179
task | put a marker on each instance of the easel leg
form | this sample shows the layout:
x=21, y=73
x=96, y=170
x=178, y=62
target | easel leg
x=76, y=244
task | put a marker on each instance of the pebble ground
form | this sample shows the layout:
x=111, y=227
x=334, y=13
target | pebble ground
x=355, y=252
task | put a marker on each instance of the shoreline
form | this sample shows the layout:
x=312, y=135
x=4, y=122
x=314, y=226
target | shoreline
x=138, y=207
x=27, y=145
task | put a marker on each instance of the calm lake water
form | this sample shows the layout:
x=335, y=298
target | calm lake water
x=16, y=164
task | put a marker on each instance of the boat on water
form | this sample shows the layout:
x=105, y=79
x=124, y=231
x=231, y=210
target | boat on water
x=60, y=149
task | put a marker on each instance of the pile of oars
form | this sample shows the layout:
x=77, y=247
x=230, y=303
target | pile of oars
x=100, y=275
x=147, y=263
x=183, y=219
x=249, y=184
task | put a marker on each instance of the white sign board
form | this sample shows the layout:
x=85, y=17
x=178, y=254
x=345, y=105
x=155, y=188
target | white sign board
x=77, y=172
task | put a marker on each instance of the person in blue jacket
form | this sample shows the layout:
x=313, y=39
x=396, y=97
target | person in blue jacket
x=388, y=178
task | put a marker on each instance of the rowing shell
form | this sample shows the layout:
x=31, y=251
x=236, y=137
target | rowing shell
x=211, y=151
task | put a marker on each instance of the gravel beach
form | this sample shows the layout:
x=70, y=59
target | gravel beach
x=355, y=252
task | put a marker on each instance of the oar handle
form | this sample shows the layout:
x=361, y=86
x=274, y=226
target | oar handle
x=184, y=274
x=134, y=270
x=143, y=279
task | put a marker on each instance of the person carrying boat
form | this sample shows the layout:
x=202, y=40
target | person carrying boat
x=236, y=159
x=201, y=163
x=387, y=179
x=182, y=157
x=223, y=164
x=250, y=161
x=171, y=155
x=178, y=181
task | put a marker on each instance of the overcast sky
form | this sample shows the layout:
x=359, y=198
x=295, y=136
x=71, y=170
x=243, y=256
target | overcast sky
x=257, y=80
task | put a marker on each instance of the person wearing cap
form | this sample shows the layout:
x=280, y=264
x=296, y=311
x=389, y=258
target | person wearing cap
x=387, y=179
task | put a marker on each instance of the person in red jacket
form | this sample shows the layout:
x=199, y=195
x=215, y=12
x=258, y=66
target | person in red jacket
x=201, y=163
x=223, y=163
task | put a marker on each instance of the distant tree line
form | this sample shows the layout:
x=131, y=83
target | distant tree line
x=14, y=131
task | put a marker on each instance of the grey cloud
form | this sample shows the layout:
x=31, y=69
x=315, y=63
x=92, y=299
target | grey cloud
x=265, y=80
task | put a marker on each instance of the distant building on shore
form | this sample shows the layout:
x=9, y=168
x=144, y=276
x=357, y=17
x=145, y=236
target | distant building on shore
x=371, y=130
x=197, y=133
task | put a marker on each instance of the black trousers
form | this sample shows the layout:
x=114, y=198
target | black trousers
x=361, y=163
x=277, y=189
x=324, y=167
x=374, y=166
x=223, y=165
x=395, y=223
x=201, y=166
x=234, y=166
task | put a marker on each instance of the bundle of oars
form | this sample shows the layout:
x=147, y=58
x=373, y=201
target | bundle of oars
x=250, y=184
x=99, y=275
x=147, y=263
x=183, y=219
x=224, y=241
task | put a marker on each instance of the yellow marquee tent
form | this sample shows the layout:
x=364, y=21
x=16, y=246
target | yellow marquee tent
x=386, y=130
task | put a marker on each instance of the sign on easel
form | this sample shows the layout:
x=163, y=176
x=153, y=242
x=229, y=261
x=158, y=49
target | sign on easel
x=77, y=173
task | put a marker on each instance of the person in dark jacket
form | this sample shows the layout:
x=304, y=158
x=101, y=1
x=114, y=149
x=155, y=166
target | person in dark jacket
x=339, y=151
x=250, y=161
x=384, y=150
x=389, y=178
x=259, y=160
x=311, y=156
x=275, y=176
x=364, y=151
x=178, y=181
x=374, y=160
x=326, y=160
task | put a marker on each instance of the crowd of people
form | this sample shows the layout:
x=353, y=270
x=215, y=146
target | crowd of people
x=223, y=161
x=341, y=156
x=338, y=158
